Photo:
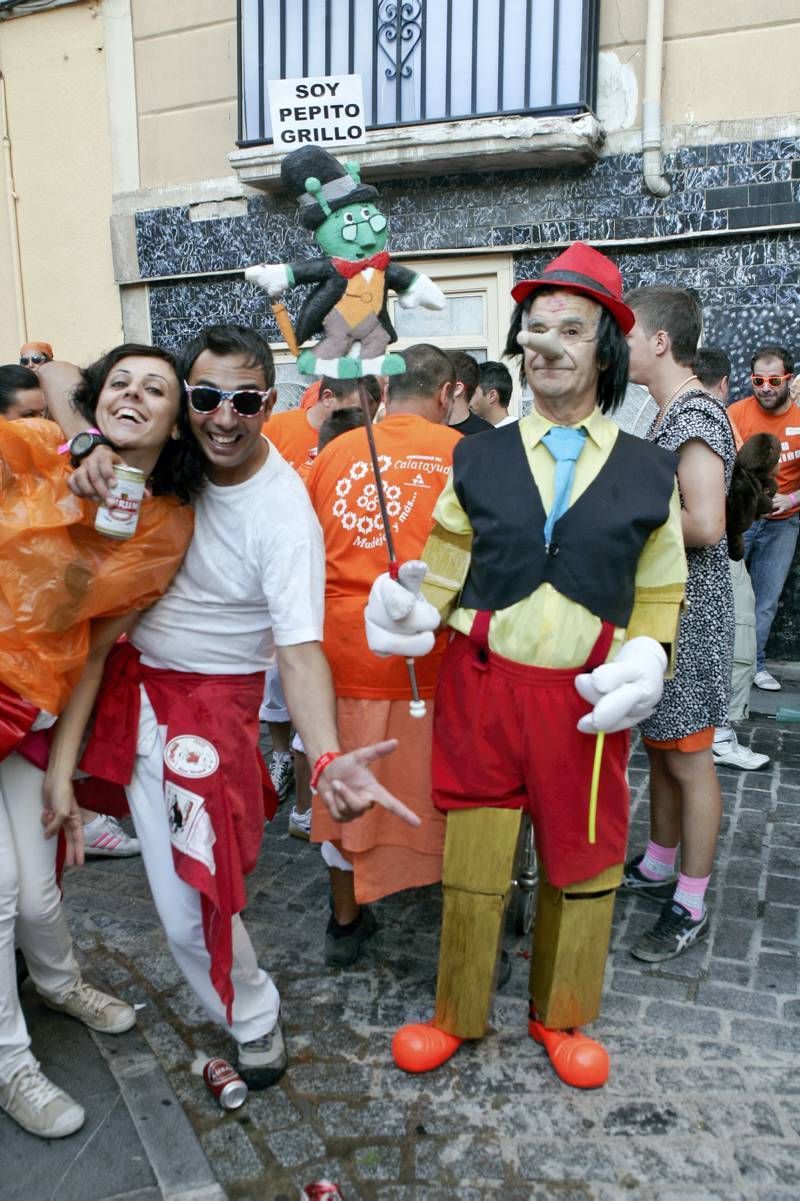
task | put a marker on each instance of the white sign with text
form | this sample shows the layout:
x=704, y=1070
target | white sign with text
x=325, y=110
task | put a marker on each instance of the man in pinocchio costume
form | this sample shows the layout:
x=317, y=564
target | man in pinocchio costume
x=557, y=559
x=348, y=304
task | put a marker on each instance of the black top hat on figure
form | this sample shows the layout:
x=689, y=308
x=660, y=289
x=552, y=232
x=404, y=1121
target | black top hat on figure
x=321, y=184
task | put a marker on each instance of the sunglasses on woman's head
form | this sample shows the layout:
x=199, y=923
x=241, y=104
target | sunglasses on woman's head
x=774, y=381
x=32, y=360
x=247, y=402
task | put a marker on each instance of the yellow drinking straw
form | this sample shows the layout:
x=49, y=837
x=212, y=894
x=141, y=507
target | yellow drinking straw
x=598, y=756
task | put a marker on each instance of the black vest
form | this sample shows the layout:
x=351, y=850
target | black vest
x=596, y=544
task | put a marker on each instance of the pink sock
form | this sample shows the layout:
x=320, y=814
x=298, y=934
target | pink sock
x=689, y=892
x=658, y=862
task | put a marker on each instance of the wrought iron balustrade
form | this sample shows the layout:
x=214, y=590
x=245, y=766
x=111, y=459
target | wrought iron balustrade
x=422, y=60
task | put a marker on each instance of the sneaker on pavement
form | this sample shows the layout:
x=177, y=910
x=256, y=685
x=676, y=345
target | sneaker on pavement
x=262, y=1061
x=103, y=835
x=39, y=1106
x=674, y=932
x=95, y=1009
x=281, y=772
x=730, y=753
x=343, y=948
x=634, y=881
x=766, y=682
x=300, y=824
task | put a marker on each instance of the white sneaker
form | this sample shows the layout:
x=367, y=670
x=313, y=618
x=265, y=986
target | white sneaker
x=300, y=824
x=95, y=1009
x=38, y=1106
x=103, y=835
x=731, y=753
x=281, y=772
x=262, y=1061
x=766, y=682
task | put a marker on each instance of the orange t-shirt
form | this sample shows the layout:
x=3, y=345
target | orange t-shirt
x=293, y=435
x=57, y=573
x=415, y=457
x=748, y=418
x=311, y=395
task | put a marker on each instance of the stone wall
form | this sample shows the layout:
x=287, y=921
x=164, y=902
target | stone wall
x=719, y=232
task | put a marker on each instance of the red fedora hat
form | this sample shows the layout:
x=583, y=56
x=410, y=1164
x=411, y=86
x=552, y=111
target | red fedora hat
x=583, y=269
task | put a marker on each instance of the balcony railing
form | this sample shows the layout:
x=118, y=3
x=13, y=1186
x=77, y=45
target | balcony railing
x=422, y=60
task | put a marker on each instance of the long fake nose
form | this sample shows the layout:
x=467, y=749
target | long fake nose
x=547, y=345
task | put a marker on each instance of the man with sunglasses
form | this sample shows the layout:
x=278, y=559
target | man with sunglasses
x=33, y=354
x=771, y=541
x=252, y=580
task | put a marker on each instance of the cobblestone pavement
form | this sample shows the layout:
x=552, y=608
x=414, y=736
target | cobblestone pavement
x=704, y=1096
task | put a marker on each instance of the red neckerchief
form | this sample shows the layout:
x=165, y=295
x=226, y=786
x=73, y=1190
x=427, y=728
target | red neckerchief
x=350, y=267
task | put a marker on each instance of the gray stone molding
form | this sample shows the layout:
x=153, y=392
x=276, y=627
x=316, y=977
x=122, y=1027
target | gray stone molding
x=478, y=143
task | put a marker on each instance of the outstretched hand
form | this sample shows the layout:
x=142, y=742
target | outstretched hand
x=348, y=787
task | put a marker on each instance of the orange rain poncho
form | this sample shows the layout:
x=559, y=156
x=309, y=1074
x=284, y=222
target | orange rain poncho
x=57, y=572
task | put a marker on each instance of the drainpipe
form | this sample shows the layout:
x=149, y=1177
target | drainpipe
x=13, y=227
x=654, y=178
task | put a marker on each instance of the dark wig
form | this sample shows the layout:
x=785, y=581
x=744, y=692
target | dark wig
x=612, y=355
x=181, y=467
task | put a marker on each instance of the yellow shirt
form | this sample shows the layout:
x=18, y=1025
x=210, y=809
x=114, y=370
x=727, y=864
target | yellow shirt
x=546, y=629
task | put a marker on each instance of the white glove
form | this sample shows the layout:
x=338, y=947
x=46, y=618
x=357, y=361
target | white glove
x=423, y=291
x=398, y=621
x=272, y=277
x=625, y=691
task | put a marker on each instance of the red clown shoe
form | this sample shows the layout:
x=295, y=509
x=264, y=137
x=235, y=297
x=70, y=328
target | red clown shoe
x=578, y=1060
x=421, y=1047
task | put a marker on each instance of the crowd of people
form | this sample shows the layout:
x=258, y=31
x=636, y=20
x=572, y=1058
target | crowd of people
x=578, y=585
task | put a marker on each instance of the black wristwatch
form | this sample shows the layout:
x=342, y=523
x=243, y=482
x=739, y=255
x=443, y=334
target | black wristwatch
x=84, y=443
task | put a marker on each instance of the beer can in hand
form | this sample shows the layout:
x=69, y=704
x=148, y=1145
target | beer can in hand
x=225, y=1083
x=118, y=515
x=321, y=1190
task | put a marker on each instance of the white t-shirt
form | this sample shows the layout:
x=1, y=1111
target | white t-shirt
x=253, y=576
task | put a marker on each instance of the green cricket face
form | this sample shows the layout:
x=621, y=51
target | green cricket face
x=354, y=232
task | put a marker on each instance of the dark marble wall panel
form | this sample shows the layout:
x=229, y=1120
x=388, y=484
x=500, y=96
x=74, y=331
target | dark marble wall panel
x=180, y=309
x=719, y=187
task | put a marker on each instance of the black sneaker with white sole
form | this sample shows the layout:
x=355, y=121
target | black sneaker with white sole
x=262, y=1061
x=634, y=881
x=674, y=932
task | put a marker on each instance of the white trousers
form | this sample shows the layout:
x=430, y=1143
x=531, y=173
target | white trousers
x=256, y=1002
x=30, y=910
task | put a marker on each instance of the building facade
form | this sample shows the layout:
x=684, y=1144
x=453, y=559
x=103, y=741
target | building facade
x=493, y=144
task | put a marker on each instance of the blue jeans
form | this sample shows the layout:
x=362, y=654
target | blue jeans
x=769, y=547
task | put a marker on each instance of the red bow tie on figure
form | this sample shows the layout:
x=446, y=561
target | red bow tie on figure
x=350, y=267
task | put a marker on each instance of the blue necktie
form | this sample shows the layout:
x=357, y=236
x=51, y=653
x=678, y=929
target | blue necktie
x=565, y=444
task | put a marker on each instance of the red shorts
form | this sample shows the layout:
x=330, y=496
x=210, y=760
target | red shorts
x=505, y=737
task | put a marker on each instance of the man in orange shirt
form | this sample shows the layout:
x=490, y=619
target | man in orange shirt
x=771, y=541
x=295, y=432
x=415, y=450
